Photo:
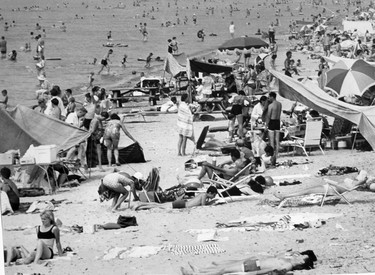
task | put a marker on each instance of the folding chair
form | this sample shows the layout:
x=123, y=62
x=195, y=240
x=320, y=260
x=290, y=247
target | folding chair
x=232, y=182
x=152, y=184
x=201, y=141
x=332, y=185
x=312, y=137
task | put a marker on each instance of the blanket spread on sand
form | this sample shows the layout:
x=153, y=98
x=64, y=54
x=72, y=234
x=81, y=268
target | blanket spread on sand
x=185, y=121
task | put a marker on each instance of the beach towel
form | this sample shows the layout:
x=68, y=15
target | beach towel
x=195, y=249
x=309, y=200
x=5, y=204
x=185, y=121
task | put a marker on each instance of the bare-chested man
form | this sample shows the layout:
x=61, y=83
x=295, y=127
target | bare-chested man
x=273, y=122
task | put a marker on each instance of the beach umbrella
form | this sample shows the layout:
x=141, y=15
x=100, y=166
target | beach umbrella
x=320, y=28
x=347, y=44
x=351, y=80
x=243, y=42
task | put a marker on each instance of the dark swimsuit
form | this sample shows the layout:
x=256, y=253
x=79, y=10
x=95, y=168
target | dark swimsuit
x=274, y=125
x=179, y=204
x=236, y=109
x=47, y=235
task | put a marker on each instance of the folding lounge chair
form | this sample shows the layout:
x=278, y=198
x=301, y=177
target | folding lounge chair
x=332, y=185
x=232, y=182
x=152, y=184
x=312, y=136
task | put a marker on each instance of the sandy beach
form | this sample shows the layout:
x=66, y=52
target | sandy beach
x=343, y=244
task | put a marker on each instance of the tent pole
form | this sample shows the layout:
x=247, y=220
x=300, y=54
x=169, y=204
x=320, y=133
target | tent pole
x=355, y=139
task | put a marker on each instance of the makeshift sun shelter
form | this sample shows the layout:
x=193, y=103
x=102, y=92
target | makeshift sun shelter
x=312, y=96
x=22, y=126
x=243, y=42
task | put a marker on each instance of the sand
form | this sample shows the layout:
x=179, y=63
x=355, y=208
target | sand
x=343, y=245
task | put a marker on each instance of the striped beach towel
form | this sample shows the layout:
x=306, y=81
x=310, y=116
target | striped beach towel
x=185, y=121
x=194, y=249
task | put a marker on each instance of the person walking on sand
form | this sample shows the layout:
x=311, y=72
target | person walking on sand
x=273, y=123
x=124, y=60
x=273, y=49
x=3, y=47
x=185, y=125
x=271, y=33
x=105, y=61
x=231, y=29
x=148, y=60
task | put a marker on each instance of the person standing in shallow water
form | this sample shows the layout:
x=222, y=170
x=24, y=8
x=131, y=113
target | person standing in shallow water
x=105, y=61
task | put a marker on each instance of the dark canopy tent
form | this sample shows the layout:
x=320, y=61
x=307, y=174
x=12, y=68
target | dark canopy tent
x=198, y=66
x=22, y=126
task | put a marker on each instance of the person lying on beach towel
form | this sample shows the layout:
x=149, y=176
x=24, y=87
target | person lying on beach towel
x=259, y=265
x=200, y=200
x=348, y=184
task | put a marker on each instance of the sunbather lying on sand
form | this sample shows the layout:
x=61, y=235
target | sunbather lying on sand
x=348, y=184
x=200, y=200
x=252, y=266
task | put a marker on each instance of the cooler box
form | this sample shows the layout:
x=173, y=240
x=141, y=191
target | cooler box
x=6, y=159
x=45, y=153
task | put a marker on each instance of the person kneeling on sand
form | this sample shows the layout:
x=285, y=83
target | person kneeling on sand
x=347, y=185
x=278, y=264
x=113, y=186
x=200, y=200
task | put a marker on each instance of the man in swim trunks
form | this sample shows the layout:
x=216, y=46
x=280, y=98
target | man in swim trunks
x=105, y=61
x=263, y=265
x=273, y=122
x=200, y=200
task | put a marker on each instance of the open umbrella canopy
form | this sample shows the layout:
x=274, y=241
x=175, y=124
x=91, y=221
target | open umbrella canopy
x=243, y=42
x=351, y=80
x=347, y=44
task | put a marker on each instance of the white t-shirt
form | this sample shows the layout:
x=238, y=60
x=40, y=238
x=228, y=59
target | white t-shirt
x=73, y=119
x=257, y=111
x=61, y=106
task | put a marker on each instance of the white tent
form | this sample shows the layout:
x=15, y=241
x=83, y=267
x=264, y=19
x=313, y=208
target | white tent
x=361, y=26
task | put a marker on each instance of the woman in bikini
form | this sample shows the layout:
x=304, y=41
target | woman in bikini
x=47, y=234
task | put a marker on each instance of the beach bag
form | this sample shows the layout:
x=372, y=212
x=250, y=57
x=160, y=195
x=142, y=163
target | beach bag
x=125, y=221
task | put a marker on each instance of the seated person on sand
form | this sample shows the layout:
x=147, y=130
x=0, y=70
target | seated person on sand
x=47, y=234
x=225, y=170
x=113, y=187
x=341, y=188
x=9, y=187
x=199, y=200
x=278, y=264
x=14, y=254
